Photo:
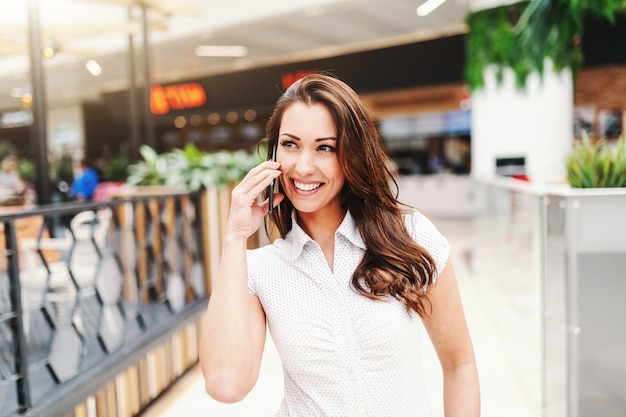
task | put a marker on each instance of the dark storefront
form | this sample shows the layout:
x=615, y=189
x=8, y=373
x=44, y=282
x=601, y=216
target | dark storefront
x=238, y=104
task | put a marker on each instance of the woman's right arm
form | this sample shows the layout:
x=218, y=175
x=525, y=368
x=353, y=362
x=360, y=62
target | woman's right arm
x=233, y=333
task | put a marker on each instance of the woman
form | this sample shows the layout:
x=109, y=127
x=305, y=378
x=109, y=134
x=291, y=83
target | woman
x=344, y=288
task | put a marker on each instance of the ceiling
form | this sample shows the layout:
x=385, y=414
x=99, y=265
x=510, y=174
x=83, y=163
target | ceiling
x=274, y=31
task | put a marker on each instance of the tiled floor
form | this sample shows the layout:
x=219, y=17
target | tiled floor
x=504, y=376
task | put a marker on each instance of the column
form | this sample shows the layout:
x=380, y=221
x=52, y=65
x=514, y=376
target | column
x=534, y=121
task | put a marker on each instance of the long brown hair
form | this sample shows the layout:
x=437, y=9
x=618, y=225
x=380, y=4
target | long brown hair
x=394, y=264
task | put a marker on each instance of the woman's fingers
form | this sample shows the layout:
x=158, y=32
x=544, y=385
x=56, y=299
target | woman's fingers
x=259, y=177
x=246, y=215
x=255, y=182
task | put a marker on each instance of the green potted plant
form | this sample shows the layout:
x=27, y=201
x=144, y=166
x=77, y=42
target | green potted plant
x=191, y=168
x=150, y=171
x=116, y=170
x=26, y=169
x=597, y=163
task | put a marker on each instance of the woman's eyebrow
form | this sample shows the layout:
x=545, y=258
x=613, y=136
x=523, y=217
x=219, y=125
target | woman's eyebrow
x=294, y=137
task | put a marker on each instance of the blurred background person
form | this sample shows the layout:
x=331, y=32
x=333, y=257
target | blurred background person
x=85, y=183
x=11, y=185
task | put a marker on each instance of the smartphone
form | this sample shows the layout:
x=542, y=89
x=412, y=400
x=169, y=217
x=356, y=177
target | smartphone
x=273, y=184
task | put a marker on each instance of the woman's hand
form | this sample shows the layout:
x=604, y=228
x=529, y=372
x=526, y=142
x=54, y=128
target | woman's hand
x=246, y=214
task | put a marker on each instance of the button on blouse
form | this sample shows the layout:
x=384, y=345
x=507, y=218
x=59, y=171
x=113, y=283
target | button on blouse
x=342, y=353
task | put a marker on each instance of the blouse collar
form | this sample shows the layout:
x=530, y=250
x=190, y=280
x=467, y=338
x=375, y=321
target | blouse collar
x=297, y=238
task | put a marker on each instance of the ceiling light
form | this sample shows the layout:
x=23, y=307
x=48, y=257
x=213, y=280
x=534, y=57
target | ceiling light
x=48, y=52
x=231, y=117
x=180, y=122
x=249, y=115
x=430, y=5
x=214, y=118
x=222, y=50
x=195, y=120
x=50, y=49
x=27, y=100
x=93, y=67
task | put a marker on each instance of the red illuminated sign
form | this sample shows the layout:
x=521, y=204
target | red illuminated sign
x=176, y=97
x=289, y=78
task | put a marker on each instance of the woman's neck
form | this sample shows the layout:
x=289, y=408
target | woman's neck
x=321, y=227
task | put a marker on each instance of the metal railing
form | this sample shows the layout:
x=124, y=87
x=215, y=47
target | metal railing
x=87, y=289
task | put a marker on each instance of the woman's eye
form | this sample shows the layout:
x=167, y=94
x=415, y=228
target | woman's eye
x=287, y=144
x=326, y=148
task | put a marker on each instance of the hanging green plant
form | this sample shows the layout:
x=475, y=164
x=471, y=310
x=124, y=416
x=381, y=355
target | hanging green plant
x=492, y=41
x=521, y=36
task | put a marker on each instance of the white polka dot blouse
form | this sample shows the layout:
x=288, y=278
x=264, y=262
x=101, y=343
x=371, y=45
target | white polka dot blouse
x=342, y=353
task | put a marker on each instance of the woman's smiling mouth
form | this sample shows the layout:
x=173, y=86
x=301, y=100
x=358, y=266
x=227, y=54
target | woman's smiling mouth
x=306, y=187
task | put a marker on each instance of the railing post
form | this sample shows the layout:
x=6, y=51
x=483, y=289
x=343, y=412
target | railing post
x=19, y=339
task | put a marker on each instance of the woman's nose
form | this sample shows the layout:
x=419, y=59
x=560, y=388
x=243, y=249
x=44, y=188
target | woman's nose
x=305, y=164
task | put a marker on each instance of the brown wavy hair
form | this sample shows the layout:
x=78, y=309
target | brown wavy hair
x=394, y=265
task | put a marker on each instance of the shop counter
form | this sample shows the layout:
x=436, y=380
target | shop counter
x=570, y=250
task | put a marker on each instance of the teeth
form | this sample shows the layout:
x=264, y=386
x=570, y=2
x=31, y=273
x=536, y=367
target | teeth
x=306, y=187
